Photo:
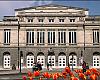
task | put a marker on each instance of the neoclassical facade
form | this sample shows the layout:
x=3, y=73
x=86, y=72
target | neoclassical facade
x=51, y=33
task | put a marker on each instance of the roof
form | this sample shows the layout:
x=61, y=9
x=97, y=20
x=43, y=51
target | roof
x=51, y=5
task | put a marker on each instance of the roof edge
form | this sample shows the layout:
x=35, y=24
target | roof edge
x=33, y=7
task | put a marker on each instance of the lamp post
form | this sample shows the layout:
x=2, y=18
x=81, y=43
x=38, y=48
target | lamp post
x=81, y=57
x=50, y=51
x=18, y=43
x=21, y=53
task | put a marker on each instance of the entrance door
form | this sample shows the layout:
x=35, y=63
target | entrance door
x=96, y=61
x=41, y=59
x=51, y=60
x=6, y=61
x=62, y=61
x=74, y=61
x=30, y=61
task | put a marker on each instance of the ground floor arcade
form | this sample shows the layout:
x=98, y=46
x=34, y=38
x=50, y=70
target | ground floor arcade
x=59, y=60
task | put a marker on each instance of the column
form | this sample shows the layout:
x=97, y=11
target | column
x=35, y=37
x=46, y=37
x=67, y=37
x=56, y=37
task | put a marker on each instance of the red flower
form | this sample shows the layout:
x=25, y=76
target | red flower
x=71, y=74
x=29, y=74
x=88, y=72
x=93, y=77
x=24, y=77
x=67, y=69
x=45, y=74
x=55, y=77
x=82, y=76
x=36, y=73
x=74, y=78
x=30, y=78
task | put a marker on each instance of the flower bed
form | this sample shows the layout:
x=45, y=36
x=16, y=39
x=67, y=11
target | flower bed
x=66, y=74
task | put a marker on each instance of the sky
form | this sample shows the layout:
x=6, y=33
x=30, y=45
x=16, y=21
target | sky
x=7, y=7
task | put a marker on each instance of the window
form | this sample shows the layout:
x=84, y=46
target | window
x=72, y=20
x=30, y=61
x=51, y=60
x=40, y=20
x=72, y=37
x=61, y=37
x=51, y=37
x=6, y=61
x=40, y=37
x=30, y=20
x=7, y=37
x=62, y=61
x=30, y=37
x=73, y=61
x=96, y=61
x=95, y=37
x=61, y=20
x=51, y=20
x=41, y=59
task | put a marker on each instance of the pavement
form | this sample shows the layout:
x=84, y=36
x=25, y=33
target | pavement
x=23, y=71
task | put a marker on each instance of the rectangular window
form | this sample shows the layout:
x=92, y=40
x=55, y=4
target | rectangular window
x=30, y=20
x=95, y=37
x=51, y=37
x=72, y=20
x=40, y=37
x=72, y=37
x=51, y=20
x=61, y=37
x=40, y=20
x=30, y=37
x=7, y=36
x=61, y=20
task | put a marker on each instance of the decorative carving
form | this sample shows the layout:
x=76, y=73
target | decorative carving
x=81, y=19
x=21, y=19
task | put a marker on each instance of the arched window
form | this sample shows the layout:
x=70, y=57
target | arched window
x=41, y=58
x=62, y=60
x=51, y=59
x=96, y=60
x=6, y=60
x=73, y=60
x=30, y=60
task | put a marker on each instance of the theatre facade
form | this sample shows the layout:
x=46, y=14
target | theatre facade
x=56, y=34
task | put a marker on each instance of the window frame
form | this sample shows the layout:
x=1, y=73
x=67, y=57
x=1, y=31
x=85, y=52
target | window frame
x=7, y=36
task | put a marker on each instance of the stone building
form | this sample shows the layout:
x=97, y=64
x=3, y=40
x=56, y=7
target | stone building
x=51, y=33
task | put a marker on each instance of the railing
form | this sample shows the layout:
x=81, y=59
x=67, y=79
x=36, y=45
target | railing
x=50, y=45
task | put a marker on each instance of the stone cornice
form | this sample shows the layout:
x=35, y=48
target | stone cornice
x=45, y=7
x=50, y=25
x=53, y=15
